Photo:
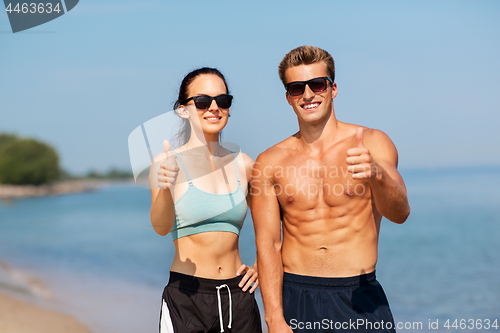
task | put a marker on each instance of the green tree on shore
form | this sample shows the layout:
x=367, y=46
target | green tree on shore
x=6, y=139
x=26, y=161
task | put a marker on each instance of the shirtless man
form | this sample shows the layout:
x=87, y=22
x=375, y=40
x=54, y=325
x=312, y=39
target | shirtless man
x=330, y=184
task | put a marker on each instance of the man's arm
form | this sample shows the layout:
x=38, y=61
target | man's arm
x=375, y=160
x=266, y=218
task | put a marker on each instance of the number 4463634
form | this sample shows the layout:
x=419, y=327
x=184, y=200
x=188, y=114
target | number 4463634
x=33, y=8
x=472, y=324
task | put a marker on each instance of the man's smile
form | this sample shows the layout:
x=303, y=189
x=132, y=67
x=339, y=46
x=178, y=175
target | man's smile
x=310, y=106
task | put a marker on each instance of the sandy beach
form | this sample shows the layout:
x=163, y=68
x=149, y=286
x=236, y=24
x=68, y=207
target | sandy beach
x=18, y=316
x=20, y=309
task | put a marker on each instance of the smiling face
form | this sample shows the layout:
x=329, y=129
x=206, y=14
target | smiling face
x=213, y=119
x=311, y=107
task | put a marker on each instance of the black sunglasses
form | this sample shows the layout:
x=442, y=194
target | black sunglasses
x=318, y=84
x=203, y=102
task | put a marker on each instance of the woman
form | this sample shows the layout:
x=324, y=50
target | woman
x=198, y=195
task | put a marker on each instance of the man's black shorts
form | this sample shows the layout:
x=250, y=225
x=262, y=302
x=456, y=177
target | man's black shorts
x=351, y=304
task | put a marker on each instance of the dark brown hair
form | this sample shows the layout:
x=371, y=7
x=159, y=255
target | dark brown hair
x=185, y=132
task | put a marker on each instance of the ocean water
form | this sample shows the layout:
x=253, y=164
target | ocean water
x=96, y=256
x=444, y=262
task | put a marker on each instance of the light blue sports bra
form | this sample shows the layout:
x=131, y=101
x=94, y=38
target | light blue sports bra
x=199, y=211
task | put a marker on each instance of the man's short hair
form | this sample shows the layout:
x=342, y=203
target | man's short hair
x=306, y=55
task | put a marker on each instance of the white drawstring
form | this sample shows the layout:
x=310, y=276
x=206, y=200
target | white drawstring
x=220, y=307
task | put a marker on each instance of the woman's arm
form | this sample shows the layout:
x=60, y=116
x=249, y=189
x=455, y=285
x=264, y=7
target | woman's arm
x=249, y=163
x=162, y=176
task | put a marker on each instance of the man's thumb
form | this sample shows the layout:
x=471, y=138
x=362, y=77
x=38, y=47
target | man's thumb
x=359, y=138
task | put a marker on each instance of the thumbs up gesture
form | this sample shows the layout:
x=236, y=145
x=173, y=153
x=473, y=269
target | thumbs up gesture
x=167, y=173
x=361, y=164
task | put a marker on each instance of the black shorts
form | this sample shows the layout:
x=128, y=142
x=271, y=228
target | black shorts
x=193, y=304
x=351, y=304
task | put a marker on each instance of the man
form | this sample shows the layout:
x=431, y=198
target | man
x=329, y=184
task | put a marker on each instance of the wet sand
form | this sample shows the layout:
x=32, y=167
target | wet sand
x=20, y=312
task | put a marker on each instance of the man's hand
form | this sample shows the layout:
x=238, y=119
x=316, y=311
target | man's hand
x=279, y=327
x=361, y=164
x=167, y=173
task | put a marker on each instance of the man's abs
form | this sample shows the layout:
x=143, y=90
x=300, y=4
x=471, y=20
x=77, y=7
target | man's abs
x=334, y=247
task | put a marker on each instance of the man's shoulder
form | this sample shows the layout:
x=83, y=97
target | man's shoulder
x=376, y=138
x=376, y=141
x=370, y=135
x=274, y=154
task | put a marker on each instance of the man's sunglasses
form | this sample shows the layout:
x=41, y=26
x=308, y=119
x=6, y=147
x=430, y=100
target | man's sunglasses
x=318, y=84
x=203, y=102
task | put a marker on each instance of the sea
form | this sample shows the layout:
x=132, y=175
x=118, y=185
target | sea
x=96, y=257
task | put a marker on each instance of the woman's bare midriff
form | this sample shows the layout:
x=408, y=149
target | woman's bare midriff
x=211, y=255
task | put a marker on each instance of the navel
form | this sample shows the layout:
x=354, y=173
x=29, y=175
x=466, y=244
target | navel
x=348, y=190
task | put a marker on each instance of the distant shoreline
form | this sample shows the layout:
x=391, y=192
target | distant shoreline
x=10, y=192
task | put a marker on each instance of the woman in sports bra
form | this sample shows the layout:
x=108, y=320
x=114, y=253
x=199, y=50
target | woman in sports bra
x=199, y=196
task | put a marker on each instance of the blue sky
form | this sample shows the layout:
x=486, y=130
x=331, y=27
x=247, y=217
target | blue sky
x=425, y=72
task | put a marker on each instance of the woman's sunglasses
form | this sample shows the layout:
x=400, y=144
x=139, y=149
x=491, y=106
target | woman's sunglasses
x=318, y=84
x=203, y=102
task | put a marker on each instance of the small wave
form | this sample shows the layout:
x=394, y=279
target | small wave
x=22, y=282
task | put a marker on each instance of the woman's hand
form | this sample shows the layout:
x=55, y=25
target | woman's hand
x=167, y=173
x=251, y=276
